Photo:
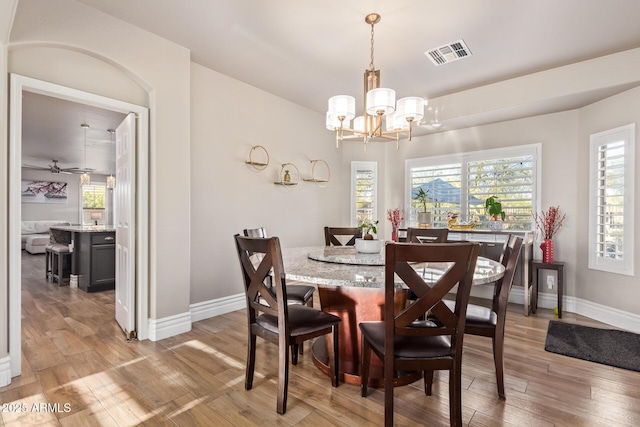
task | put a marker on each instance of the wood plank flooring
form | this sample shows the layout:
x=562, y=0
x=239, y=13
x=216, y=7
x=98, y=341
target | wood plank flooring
x=75, y=360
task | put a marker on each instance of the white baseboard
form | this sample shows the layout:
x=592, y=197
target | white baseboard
x=212, y=308
x=5, y=371
x=169, y=326
x=180, y=323
x=601, y=313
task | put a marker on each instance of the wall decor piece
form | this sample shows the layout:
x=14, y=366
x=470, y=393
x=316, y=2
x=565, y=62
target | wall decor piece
x=321, y=179
x=289, y=175
x=257, y=161
x=44, y=192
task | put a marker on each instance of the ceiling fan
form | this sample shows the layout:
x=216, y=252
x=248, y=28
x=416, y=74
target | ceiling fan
x=55, y=169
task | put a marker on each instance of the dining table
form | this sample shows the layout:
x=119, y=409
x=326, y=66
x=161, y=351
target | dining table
x=351, y=286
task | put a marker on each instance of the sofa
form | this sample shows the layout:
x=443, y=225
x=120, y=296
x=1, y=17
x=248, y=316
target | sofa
x=35, y=234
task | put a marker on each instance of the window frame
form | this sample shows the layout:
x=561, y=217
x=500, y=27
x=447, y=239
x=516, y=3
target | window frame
x=534, y=150
x=596, y=140
x=363, y=165
x=105, y=211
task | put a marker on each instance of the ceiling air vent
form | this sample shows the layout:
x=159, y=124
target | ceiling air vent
x=448, y=53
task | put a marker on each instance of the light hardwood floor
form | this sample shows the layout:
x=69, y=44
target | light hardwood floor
x=75, y=354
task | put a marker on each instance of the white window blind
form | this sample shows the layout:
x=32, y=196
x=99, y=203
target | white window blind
x=611, y=200
x=461, y=183
x=511, y=180
x=364, y=184
x=443, y=185
x=94, y=200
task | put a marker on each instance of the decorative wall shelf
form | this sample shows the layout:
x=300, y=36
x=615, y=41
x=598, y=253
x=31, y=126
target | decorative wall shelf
x=320, y=182
x=285, y=178
x=257, y=165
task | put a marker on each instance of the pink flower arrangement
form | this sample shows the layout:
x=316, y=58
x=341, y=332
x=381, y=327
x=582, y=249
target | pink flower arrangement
x=396, y=216
x=548, y=223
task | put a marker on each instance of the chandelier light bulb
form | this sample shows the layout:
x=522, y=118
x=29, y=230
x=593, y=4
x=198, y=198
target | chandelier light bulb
x=411, y=108
x=342, y=106
x=381, y=101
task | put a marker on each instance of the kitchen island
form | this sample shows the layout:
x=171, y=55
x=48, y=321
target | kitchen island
x=93, y=254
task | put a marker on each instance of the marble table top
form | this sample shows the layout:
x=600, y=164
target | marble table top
x=85, y=228
x=366, y=270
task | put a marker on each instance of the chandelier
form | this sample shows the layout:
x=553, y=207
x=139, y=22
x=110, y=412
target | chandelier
x=85, y=179
x=380, y=103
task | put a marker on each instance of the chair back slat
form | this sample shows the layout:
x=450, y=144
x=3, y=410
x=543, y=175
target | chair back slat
x=509, y=259
x=331, y=235
x=400, y=262
x=427, y=235
x=266, y=253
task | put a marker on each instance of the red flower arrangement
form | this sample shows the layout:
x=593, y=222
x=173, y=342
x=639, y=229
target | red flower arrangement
x=548, y=223
x=395, y=216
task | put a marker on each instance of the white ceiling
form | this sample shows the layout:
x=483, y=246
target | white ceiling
x=307, y=51
x=51, y=131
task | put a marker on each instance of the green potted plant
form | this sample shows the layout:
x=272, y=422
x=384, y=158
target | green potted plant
x=496, y=215
x=367, y=227
x=421, y=196
x=367, y=244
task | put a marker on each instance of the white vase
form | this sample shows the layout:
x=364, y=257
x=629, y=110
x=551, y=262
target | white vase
x=373, y=246
x=425, y=218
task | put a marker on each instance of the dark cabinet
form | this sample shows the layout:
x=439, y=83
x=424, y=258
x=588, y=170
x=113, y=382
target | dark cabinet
x=96, y=257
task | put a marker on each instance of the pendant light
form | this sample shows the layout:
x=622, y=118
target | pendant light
x=111, y=180
x=85, y=179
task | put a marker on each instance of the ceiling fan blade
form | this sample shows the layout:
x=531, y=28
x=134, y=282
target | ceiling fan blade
x=35, y=167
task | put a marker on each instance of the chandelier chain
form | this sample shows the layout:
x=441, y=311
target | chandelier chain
x=371, y=63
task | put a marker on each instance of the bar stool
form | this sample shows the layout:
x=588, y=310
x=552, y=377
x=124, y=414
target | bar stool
x=56, y=254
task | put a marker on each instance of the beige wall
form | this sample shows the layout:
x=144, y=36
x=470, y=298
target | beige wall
x=55, y=211
x=130, y=62
x=613, y=290
x=228, y=118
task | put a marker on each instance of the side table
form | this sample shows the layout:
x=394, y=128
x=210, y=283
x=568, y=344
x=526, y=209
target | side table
x=558, y=266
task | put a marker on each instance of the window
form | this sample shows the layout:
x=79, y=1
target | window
x=94, y=203
x=460, y=183
x=611, y=199
x=364, y=191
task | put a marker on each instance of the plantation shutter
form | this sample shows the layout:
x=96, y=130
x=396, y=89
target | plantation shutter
x=610, y=201
x=511, y=180
x=443, y=184
x=364, y=192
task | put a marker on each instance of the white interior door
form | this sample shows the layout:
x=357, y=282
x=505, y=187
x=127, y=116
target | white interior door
x=124, y=220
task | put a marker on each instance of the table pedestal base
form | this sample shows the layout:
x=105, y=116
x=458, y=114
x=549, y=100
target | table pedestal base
x=354, y=305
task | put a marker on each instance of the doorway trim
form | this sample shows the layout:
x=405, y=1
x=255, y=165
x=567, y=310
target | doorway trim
x=17, y=85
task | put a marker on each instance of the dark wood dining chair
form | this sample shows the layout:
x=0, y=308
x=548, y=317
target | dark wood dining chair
x=404, y=343
x=427, y=235
x=490, y=321
x=297, y=294
x=331, y=235
x=273, y=319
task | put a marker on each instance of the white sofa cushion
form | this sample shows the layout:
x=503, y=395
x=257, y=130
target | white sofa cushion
x=37, y=243
x=39, y=227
